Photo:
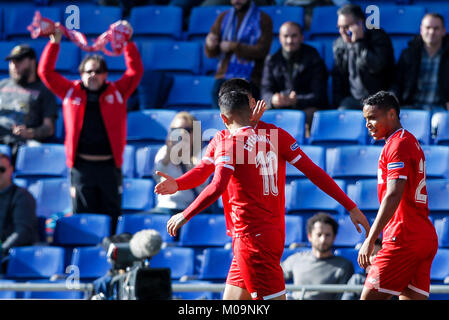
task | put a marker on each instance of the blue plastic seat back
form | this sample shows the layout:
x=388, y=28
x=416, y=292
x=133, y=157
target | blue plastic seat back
x=316, y=153
x=138, y=194
x=84, y=229
x=441, y=120
x=92, y=262
x=347, y=235
x=337, y=127
x=198, y=95
x=437, y=161
x=281, y=14
x=35, y=262
x=294, y=226
x=417, y=122
x=45, y=160
x=201, y=20
x=52, y=196
x=292, y=121
x=145, y=157
x=353, y=162
x=180, y=261
x=210, y=122
x=216, y=264
x=351, y=254
x=439, y=270
x=204, y=230
x=94, y=20
x=157, y=22
x=304, y=196
x=437, y=193
x=135, y=222
x=149, y=125
x=442, y=229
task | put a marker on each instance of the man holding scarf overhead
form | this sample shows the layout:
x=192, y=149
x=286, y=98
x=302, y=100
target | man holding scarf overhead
x=241, y=38
x=94, y=111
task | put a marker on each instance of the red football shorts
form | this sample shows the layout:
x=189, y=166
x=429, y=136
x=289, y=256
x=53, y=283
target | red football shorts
x=397, y=267
x=256, y=265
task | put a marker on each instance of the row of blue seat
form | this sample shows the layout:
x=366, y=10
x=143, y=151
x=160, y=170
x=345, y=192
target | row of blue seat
x=38, y=262
x=329, y=127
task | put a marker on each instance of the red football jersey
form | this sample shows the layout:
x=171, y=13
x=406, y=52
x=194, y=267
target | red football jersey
x=403, y=158
x=255, y=196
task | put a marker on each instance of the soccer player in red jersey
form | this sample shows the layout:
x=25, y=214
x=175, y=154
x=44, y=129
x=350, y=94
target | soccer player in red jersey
x=402, y=266
x=250, y=166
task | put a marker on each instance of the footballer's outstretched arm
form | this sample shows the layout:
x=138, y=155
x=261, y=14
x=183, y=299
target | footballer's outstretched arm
x=209, y=195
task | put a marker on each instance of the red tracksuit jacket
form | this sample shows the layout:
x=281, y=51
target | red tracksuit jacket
x=112, y=100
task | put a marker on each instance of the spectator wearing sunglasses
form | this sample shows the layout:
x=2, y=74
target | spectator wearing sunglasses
x=18, y=220
x=176, y=157
x=94, y=111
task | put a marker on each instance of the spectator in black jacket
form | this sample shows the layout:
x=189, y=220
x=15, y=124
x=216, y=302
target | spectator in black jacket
x=422, y=75
x=295, y=77
x=363, y=59
x=18, y=220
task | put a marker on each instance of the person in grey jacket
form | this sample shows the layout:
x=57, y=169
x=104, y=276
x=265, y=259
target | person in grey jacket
x=363, y=60
x=18, y=220
x=318, y=266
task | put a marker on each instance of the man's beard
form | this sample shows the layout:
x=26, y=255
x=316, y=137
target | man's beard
x=244, y=7
x=323, y=248
x=22, y=79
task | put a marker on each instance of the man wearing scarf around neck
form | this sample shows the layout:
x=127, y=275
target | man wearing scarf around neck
x=241, y=38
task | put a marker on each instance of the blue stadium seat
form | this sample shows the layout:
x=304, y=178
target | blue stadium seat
x=438, y=193
x=179, y=57
x=305, y=197
x=149, y=126
x=52, y=295
x=418, y=123
x=338, y=127
x=52, y=196
x=204, y=230
x=179, y=260
x=190, y=91
x=69, y=57
x=201, y=20
x=318, y=45
x=316, y=153
x=135, y=222
x=208, y=65
x=350, y=254
x=92, y=262
x=442, y=228
x=19, y=17
x=138, y=195
x=216, y=264
x=398, y=46
x=145, y=161
x=129, y=163
x=82, y=229
x=45, y=160
x=324, y=22
x=437, y=161
x=353, y=162
x=294, y=226
x=115, y=64
x=94, y=20
x=441, y=121
x=35, y=262
x=364, y=193
x=347, y=235
x=156, y=23
x=153, y=89
x=5, y=50
x=292, y=121
x=281, y=14
x=210, y=122
x=439, y=271
x=401, y=21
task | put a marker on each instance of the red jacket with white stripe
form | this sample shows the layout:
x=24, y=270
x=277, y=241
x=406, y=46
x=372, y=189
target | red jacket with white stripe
x=112, y=100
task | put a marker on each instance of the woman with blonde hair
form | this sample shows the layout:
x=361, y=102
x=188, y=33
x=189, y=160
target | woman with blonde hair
x=176, y=157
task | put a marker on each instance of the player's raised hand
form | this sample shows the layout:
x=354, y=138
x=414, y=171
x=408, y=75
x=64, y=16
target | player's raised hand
x=357, y=217
x=168, y=186
x=258, y=111
x=175, y=222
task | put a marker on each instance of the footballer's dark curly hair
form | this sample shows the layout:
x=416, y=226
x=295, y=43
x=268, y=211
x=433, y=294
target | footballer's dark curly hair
x=383, y=100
